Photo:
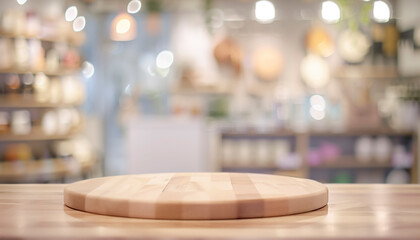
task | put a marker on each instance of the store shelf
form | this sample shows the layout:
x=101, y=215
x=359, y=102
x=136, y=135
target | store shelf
x=352, y=163
x=367, y=72
x=291, y=173
x=253, y=133
x=43, y=39
x=42, y=170
x=342, y=162
x=249, y=166
x=271, y=168
x=61, y=72
x=366, y=132
x=303, y=143
x=37, y=134
x=200, y=92
x=28, y=101
x=47, y=169
x=285, y=133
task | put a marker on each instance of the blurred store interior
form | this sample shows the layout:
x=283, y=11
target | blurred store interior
x=327, y=90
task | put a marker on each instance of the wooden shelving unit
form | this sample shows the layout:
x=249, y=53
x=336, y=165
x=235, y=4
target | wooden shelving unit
x=368, y=72
x=33, y=170
x=37, y=134
x=291, y=173
x=302, y=143
x=57, y=39
x=28, y=101
x=360, y=132
x=42, y=169
x=250, y=166
x=280, y=133
x=253, y=133
x=351, y=163
x=62, y=72
x=200, y=92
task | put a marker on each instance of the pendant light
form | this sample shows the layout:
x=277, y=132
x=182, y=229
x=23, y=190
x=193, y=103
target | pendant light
x=123, y=28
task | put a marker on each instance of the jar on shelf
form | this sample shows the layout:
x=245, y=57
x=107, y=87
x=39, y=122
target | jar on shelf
x=264, y=148
x=244, y=152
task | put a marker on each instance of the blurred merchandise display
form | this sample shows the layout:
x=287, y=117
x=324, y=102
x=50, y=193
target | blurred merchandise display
x=342, y=177
x=40, y=89
x=315, y=71
x=267, y=63
x=33, y=43
x=363, y=149
x=369, y=176
x=229, y=54
x=245, y=156
x=353, y=46
x=4, y=122
x=322, y=89
x=37, y=162
x=328, y=157
x=17, y=22
x=282, y=151
x=292, y=161
x=21, y=122
x=314, y=90
x=319, y=41
x=398, y=177
x=401, y=158
x=264, y=152
x=382, y=148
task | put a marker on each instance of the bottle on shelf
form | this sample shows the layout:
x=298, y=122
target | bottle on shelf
x=52, y=60
x=363, y=149
x=12, y=84
x=36, y=55
x=264, y=154
x=28, y=84
x=21, y=56
x=6, y=56
x=18, y=152
x=382, y=149
x=33, y=25
x=41, y=87
x=4, y=122
x=55, y=91
x=50, y=122
x=21, y=122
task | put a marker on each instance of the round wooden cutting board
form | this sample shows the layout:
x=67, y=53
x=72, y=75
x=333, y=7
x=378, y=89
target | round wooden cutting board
x=196, y=195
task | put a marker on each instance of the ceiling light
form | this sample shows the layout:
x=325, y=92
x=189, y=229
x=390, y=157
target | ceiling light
x=164, y=59
x=381, y=11
x=134, y=6
x=88, y=69
x=21, y=2
x=79, y=24
x=71, y=13
x=330, y=12
x=317, y=115
x=265, y=11
x=123, y=27
x=317, y=102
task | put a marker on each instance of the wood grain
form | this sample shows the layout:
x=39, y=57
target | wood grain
x=196, y=196
x=37, y=211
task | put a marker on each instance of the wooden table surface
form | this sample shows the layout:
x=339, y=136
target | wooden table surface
x=196, y=196
x=354, y=211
